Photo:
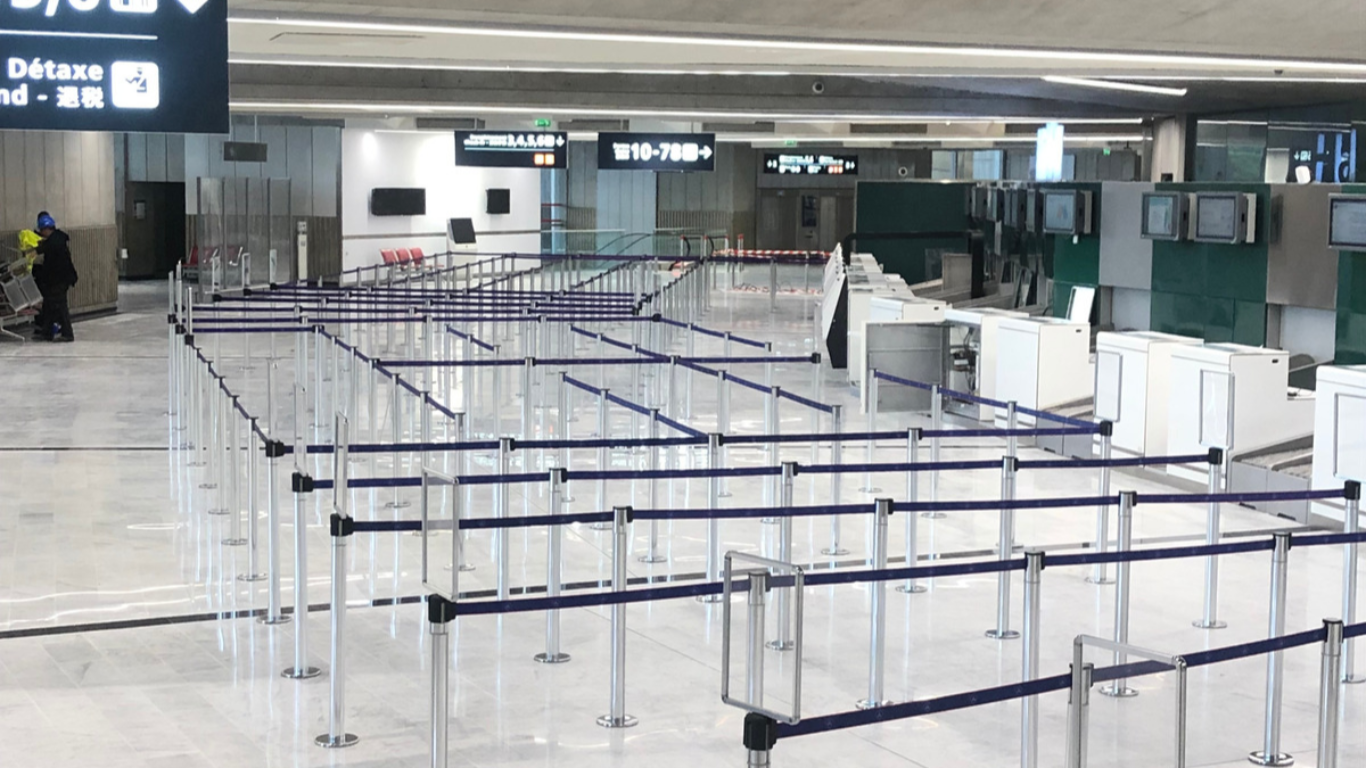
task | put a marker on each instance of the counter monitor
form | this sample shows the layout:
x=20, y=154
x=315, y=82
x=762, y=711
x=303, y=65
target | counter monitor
x=391, y=201
x=1066, y=212
x=1224, y=217
x=1165, y=216
x=1347, y=222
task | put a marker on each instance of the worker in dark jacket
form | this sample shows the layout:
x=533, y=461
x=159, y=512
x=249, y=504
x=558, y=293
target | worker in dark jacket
x=55, y=276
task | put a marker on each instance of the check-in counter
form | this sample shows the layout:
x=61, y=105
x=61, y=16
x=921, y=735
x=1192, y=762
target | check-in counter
x=1339, y=433
x=1042, y=363
x=973, y=335
x=895, y=308
x=867, y=282
x=1231, y=395
x=1133, y=384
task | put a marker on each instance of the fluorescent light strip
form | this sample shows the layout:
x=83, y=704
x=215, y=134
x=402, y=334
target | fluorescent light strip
x=310, y=106
x=1060, y=55
x=1114, y=85
x=918, y=138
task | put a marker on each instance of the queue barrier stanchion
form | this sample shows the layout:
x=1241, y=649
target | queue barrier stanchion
x=936, y=426
x=502, y=541
x=342, y=528
x=554, y=572
x=1106, y=432
x=1029, y=705
x=1330, y=679
x=1127, y=499
x=783, y=600
x=913, y=437
x=723, y=417
x=836, y=457
x=1210, y=618
x=877, y=634
x=870, y=449
x=1078, y=709
x=235, y=538
x=1351, y=524
x=652, y=554
x=253, y=513
x=1005, y=548
x=604, y=457
x=274, y=613
x=1270, y=754
x=616, y=716
x=302, y=486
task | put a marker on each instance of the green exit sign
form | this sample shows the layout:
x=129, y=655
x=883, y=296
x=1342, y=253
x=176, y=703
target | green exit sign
x=542, y=122
x=789, y=142
x=1107, y=151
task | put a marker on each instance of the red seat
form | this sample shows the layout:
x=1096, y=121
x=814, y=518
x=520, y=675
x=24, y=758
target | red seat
x=404, y=257
x=418, y=256
x=388, y=256
x=194, y=257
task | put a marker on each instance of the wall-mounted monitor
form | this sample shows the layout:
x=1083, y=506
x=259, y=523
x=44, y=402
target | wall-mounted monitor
x=1225, y=217
x=499, y=202
x=1166, y=216
x=1013, y=210
x=995, y=204
x=398, y=201
x=1347, y=222
x=1033, y=211
x=461, y=231
x=1066, y=212
x=977, y=203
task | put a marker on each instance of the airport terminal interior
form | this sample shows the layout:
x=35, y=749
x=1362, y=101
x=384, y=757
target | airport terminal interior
x=611, y=383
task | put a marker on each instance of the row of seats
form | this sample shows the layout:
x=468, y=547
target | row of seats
x=403, y=257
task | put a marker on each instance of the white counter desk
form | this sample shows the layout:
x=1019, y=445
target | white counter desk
x=1133, y=384
x=1042, y=363
x=976, y=330
x=1339, y=432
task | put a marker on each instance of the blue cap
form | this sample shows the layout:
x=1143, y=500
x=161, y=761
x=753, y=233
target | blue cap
x=45, y=221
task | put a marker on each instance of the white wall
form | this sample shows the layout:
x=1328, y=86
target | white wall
x=373, y=159
x=1311, y=332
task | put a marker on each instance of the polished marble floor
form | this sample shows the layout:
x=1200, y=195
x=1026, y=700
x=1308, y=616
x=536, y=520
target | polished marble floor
x=101, y=524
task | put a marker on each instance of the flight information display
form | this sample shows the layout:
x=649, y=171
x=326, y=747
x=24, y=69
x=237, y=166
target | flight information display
x=657, y=151
x=811, y=165
x=114, y=65
x=512, y=149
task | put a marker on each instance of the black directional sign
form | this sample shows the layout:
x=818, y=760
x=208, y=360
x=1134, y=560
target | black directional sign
x=811, y=165
x=114, y=65
x=657, y=151
x=512, y=149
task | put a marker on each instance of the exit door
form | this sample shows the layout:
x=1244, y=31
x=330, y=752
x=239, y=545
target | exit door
x=153, y=228
x=802, y=219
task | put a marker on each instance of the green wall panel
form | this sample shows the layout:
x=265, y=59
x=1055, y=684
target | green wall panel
x=1351, y=338
x=1351, y=325
x=1071, y=263
x=909, y=206
x=1211, y=291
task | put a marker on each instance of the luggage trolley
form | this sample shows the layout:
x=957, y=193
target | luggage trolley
x=19, y=297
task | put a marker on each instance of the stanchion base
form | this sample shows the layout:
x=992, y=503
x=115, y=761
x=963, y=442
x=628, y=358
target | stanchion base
x=724, y=495
x=835, y=552
x=464, y=567
x=1261, y=758
x=567, y=499
x=870, y=489
x=206, y=486
x=600, y=527
x=1354, y=680
x=1202, y=624
x=196, y=464
x=252, y=577
x=933, y=515
x=1101, y=581
x=709, y=598
x=912, y=589
x=234, y=542
x=1116, y=692
x=268, y=621
x=996, y=634
x=547, y=658
x=217, y=511
x=770, y=521
x=397, y=505
x=294, y=673
x=341, y=742
x=607, y=721
x=870, y=704
x=780, y=645
x=653, y=559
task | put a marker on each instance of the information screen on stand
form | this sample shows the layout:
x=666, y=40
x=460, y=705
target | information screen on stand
x=657, y=151
x=512, y=149
x=114, y=65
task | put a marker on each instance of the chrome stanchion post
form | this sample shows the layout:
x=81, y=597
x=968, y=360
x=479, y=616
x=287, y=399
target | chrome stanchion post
x=1106, y=431
x=253, y=459
x=772, y=285
x=1029, y=705
x=723, y=418
x=617, y=717
x=1119, y=688
x=836, y=457
x=1078, y=709
x=754, y=650
x=235, y=477
x=302, y=485
x=912, y=519
x=871, y=410
x=877, y=634
x=1005, y=547
x=1210, y=619
x=274, y=450
x=1270, y=753
x=337, y=737
x=714, y=442
x=784, y=597
x=502, y=541
x=652, y=554
x=1351, y=493
x=604, y=457
x=937, y=425
x=1330, y=676
x=440, y=614
x=554, y=572
x=761, y=735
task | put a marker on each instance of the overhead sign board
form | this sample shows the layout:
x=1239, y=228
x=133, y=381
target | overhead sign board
x=657, y=151
x=512, y=149
x=811, y=165
x=114, y=65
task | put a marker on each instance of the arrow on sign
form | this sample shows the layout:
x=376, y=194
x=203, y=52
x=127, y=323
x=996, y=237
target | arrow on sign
x=705, y=152
x=559, y=140
x=193, y=6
